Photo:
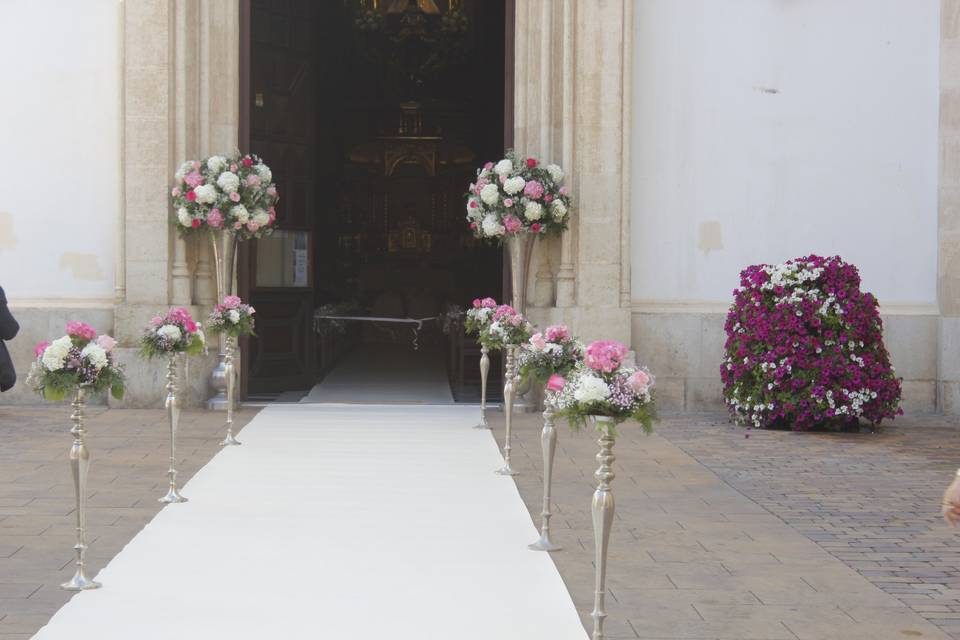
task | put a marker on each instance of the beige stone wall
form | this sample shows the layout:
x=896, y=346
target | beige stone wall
x=949, y=227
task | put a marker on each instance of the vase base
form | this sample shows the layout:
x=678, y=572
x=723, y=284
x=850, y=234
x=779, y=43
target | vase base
x=229, y=441
x=173, y=497
x=80, y=582
x=507, y=471
x=544, y=544
x=482, y=425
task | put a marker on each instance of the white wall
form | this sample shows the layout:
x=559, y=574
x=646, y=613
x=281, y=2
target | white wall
x=59, y=128
x=768, y=129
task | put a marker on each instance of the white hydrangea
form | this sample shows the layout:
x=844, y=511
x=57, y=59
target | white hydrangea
x=261, y=217
x=184, y=169
x=206, y=194
x=228, y=181
x=240, y=213
x=216, y=163
x=490, y=194
x=558, y=209
x=514, y=185
x=533, y=211
x=474, y=213
x=591, y=389
x=55, y=355
x=170, y=332
x=556, y=173
x=266, y=176
x=492, y=227
x=503, y=167
x=234, y=316
x=95, y=354
x=184, y=216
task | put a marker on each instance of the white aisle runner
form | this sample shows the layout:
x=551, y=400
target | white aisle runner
x=333, y=521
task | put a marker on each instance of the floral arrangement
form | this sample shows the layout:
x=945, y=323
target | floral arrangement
x=79, y=359
x=517, y=195
x=174, y=332
x=600, y=385
x=480, y=315
x=225, y=192
x=232, y=317
x=507, y=327
x=805, y=347
x=553, y=352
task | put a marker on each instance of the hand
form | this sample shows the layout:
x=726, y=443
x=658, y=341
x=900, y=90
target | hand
x=951, y=503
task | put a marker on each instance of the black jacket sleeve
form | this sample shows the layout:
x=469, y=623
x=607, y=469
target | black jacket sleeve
x=8, y=326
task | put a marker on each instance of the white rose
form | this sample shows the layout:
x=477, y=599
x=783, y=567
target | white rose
x=261, y=217
x=533, y=211
x=474, y=213
x=184, y=216
x=514, y=185
x=170, y=332
x=216, y=163
x=95, y=354
x=184, y=169
x=503, y=167
x=490, y=194
x=229, y=181
x=559, y=210
x=234, y=316
x=55, y=355
x=591, y=389
x=240, y=213
x=264, y=172
x=556, y=173
x=206, y=194
x=492, y=227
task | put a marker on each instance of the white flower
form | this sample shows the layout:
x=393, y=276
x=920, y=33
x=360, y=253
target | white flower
x=591, y=389
x=240, y=213
x=184, y=169
x=533, y=211
x=234, y=316
x=229, y=181
x=556, y=173
x=503, y=167
x=559, y=210
x=264, y=172
x=55, y=355
x=170, y=332
x=184, y=216
x=492, y=227
x=490, y=194
x=216, y=163
x=206, y=194
x=514, y=185
x=95, y=354
x=261, y=217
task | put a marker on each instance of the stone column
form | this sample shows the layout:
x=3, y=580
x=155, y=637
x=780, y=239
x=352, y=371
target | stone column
x=948, y=399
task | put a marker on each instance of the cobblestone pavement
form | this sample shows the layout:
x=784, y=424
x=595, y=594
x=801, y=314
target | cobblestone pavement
x=779, y=535
x=129, y=453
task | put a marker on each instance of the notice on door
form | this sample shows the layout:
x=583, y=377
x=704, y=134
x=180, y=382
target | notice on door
x=299, y=267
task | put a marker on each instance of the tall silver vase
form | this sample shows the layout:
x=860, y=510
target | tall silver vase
x=484, y=371
x=603, y=509
x=231, y=381
x=225, y=259
x=79, y=466
x=520, y=253
x=172, y=405
x=548, y=443
x=508, y=386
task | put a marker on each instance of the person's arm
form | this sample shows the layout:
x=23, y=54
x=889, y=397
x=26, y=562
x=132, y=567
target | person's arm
x=8, y=325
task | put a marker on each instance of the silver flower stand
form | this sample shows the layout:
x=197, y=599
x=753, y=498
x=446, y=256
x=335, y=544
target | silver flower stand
x=484, y=372
x=508, y=389
x=548, y=443
x=79, y=465
x=231, y=377
x=172, y=405
x=602, y=508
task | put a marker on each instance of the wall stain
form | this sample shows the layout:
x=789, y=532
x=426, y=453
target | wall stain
x=83, y=266
x=710, y=236
x=769, y=90
x=8, y=239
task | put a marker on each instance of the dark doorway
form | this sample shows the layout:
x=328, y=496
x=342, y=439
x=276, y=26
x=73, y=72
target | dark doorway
x=373, y=115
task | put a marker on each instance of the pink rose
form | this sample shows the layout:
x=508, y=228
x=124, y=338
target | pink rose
x=537, y=341
x=533, y=190
x=215, y=218
x=40, y=348
x=503, y=178
x=253, y=180
x=531, y=162
x=175, y=192
x=516, y=320
x=556, y=383
x=247, y=161
x=535, y=227
x=640, y=381
x=237, y=226
x=231, y=302
x=512, y=224
x=476, y=303
x=488, y=166
x=106, y=342
x=196, y=223
x=272, y=191
x=81, y=330
x=508, y=202
x=191, y=196
x=473, y=204
x=564, y=191
x=156, y=321
x=253, y=226
x=195, y=164
x=604, y=355
x=235, y=196
x=193, y=179
x=233, y=167
x=273, y=214
x=251, y=310
x=190, y=325
x=557, y=332
x=489, y=303
x=503, y=310
x=473, y=226
x=548, y=198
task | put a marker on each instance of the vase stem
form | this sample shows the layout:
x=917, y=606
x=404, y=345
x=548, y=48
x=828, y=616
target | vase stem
x=231, y=381
x=548, y=443
x=602, y=509
x=172, y=405
x=484, y=371
x=225, y=256
x=508, y=388
x=79, y=466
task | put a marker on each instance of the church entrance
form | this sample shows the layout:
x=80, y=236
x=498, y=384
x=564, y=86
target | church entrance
x=373, y=115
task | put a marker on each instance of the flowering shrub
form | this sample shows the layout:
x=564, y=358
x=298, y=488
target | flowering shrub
x=517, y=196
x=549, y=353
x=79, y=359
x=233, y=193
x=231, y=317
x=506, y=328
x=175, y=332
x=601, y=386
x=805, y=347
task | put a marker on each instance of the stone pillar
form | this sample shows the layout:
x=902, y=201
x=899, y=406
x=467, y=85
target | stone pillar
x=948, y=396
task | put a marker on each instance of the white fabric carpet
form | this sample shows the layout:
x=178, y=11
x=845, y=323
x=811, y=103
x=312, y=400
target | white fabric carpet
x=334, y=521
